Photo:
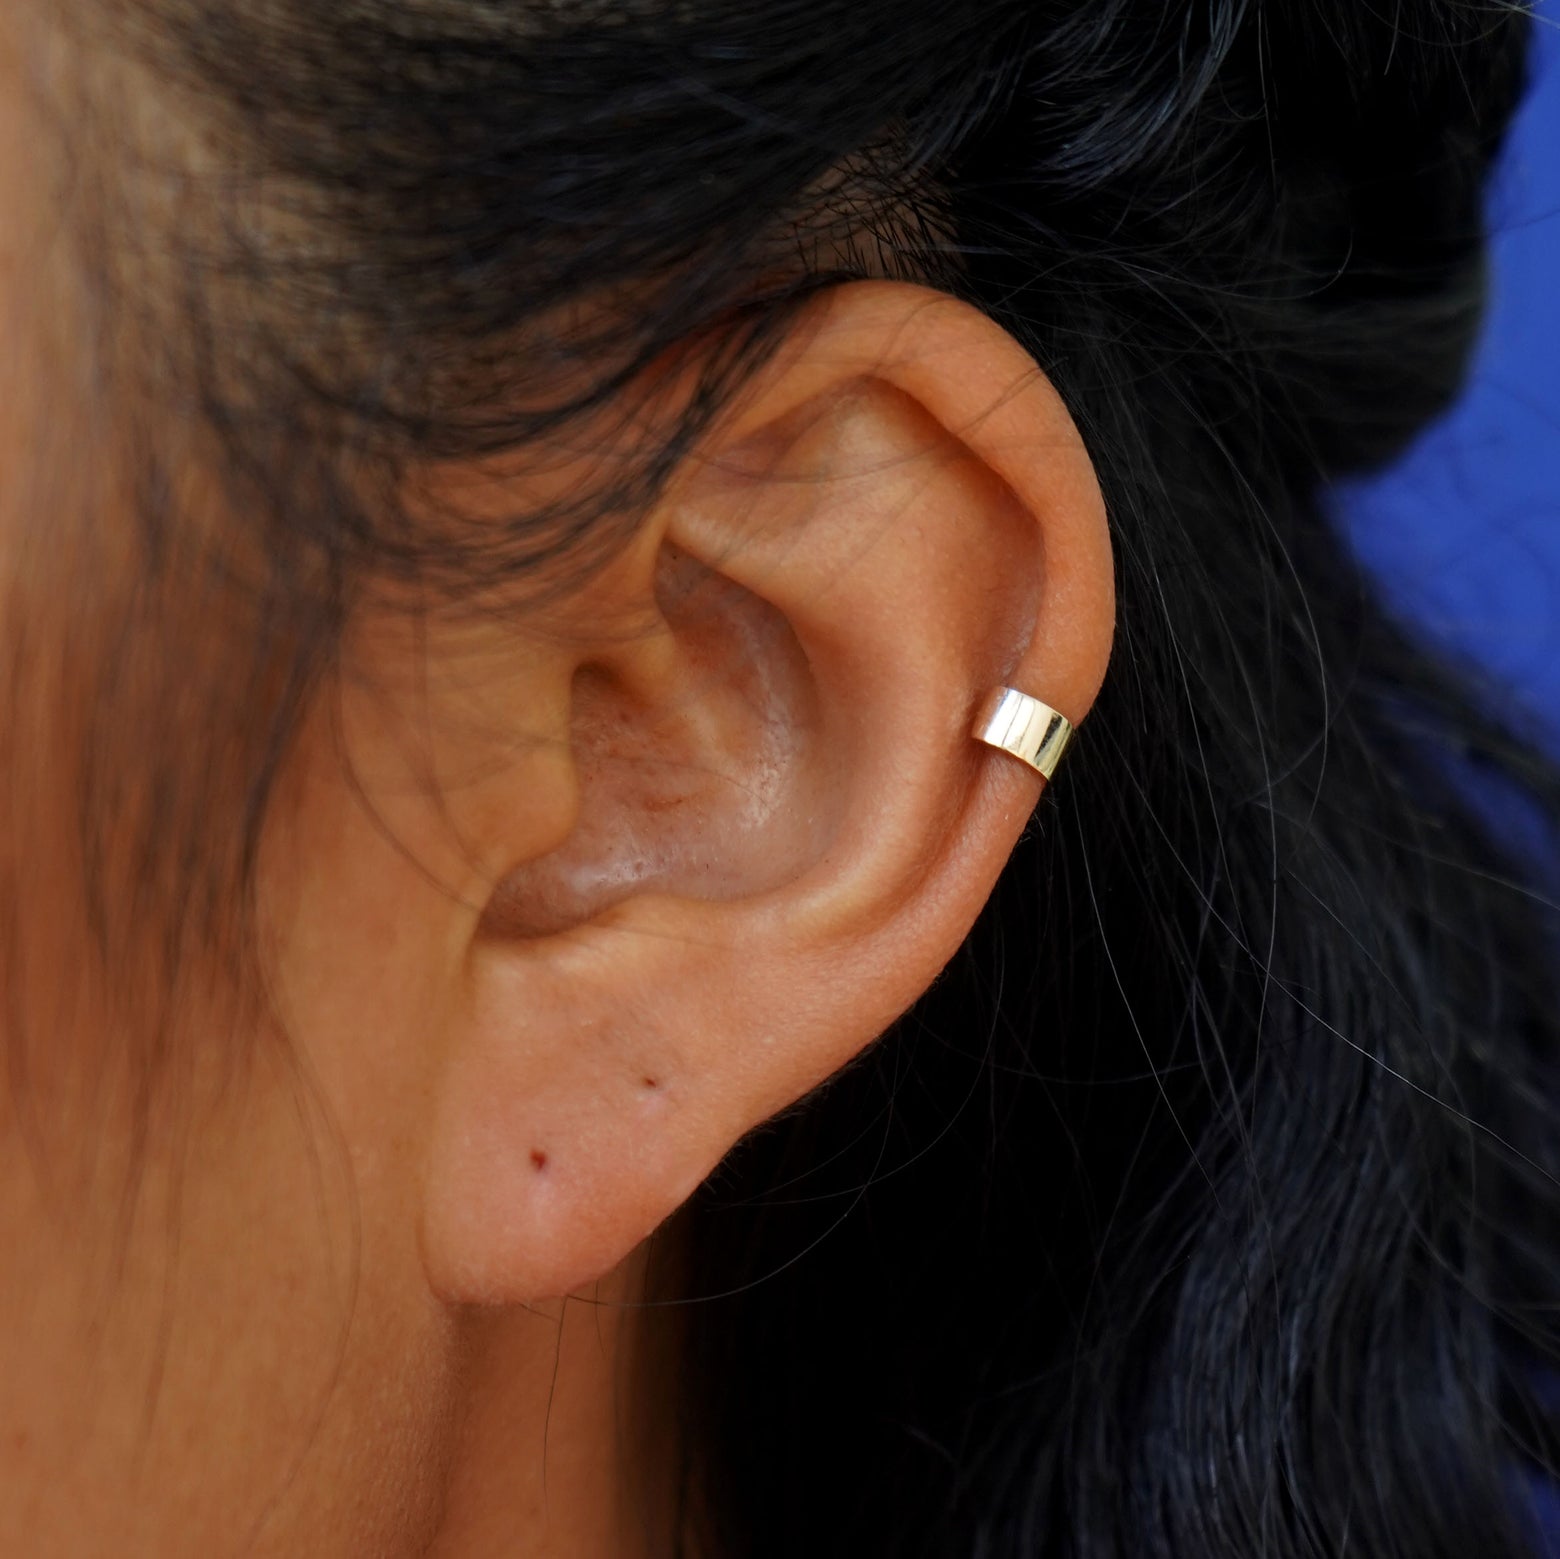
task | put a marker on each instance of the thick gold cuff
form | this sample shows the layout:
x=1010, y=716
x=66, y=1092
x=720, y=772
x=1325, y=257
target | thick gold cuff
x=1033, y=732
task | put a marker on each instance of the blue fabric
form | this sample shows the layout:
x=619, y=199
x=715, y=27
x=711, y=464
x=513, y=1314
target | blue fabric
x=1465, y=533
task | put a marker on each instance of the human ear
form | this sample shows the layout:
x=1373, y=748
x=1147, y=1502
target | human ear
x=779, y=826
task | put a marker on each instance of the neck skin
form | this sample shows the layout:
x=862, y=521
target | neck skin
x=558, y=1451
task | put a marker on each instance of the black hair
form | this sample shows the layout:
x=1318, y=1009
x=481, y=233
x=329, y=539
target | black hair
x=1206, y=1207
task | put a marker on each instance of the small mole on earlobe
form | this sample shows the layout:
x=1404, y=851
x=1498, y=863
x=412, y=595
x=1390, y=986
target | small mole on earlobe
x=538, y=1159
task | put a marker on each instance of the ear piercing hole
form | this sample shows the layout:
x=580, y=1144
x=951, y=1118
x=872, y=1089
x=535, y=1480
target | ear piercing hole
x=650, y=1082
x=538, y=1160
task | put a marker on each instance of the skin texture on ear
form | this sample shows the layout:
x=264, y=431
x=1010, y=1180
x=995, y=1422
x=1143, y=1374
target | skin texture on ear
x=769, y=825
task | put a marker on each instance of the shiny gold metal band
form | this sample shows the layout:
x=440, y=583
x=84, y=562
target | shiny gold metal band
x=1033, y=732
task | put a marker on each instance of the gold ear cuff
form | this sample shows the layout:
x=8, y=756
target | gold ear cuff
x=1032, y=732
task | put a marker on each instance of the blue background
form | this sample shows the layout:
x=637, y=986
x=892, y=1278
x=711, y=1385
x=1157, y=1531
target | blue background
x=1464, y=533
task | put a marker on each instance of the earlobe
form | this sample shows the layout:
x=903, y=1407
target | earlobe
x=902, y=506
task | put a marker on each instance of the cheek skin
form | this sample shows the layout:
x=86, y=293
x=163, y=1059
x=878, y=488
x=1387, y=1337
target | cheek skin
x=214, y=1332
